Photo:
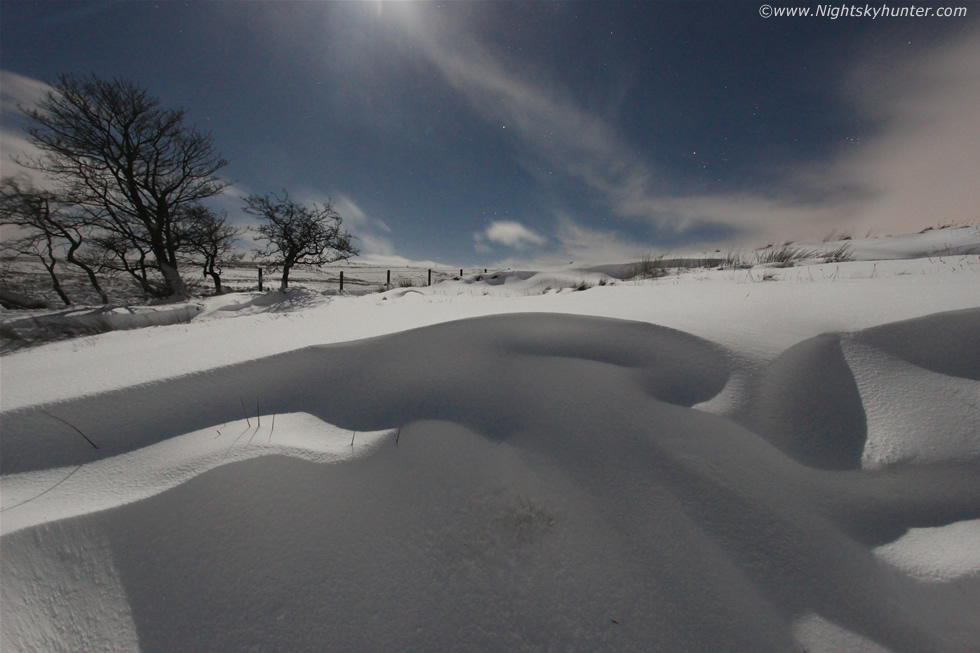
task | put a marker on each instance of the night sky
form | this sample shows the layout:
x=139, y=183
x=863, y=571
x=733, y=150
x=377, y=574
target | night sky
x=480, y=133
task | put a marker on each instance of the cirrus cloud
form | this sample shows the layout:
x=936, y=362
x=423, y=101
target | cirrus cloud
x=916, y=170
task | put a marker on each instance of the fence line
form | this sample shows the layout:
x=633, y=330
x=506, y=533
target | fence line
x=350, y=279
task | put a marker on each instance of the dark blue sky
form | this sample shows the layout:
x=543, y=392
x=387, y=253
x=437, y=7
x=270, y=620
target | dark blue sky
x=476, y=132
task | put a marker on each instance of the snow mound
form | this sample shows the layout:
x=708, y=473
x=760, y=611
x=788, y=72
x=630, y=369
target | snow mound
x=903, y=392
x=945, y=343
x=549, y=485
x=71, y=491
x=914, y=415
x=951, y=241
x=937, y=554
x=491, y=374
x=76, y=322
x=807, y=403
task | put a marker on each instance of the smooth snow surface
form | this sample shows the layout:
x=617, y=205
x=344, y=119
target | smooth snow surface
x=78, y=490
x=697, y=463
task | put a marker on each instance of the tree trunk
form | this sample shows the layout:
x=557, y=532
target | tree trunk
x=217, y=282
x=173, y=285
x=94, y=280
x=285, y=277
x=211, y=270
x=139, y=275
x=50, y=264
x=58, y=289
x=166, y=260
x=55, y=283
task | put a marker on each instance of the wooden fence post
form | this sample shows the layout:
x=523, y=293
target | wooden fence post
x=341, y=281
x=430, y=276
x=260, y=279
x=388, y=281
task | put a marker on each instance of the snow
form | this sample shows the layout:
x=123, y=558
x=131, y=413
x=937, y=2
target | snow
x=158, y=467
x=938, y=554
x=704, y=461
x=914, y=414
x=932, y=243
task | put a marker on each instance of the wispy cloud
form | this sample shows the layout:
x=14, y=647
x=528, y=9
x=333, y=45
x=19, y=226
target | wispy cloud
x=919, y=169
x=581, y=243
x=922, y=167
x=374, y=235
x=18, y=91
x=549, y=123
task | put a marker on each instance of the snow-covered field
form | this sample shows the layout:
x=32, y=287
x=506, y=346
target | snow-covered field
x=765, y=459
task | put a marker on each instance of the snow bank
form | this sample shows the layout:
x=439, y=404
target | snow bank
x=62, y=574
x=948, y=242
x=90, y=321
x=701, y=462
x=939, y=554
x=485, y=373
x=549, y=485
x=65, y=492
x=61, y=591
x=903, y=392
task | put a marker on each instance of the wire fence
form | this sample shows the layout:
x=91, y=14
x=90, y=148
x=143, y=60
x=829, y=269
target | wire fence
x=352, y=279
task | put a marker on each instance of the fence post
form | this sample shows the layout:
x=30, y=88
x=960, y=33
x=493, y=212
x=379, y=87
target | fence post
x=430, y=276
x=388, y=281
x=260, y=279
x=341, y=281
x=461, y=273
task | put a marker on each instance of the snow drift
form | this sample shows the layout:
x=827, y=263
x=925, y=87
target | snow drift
x=522, y=482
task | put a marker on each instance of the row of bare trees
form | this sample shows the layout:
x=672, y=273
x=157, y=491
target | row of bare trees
x=126, y=181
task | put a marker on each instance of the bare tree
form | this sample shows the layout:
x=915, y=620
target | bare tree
x=130, y=164
x=211, y=239
x=298, y=235
x=47, y=229
x=40, y=246
x=120, y=253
